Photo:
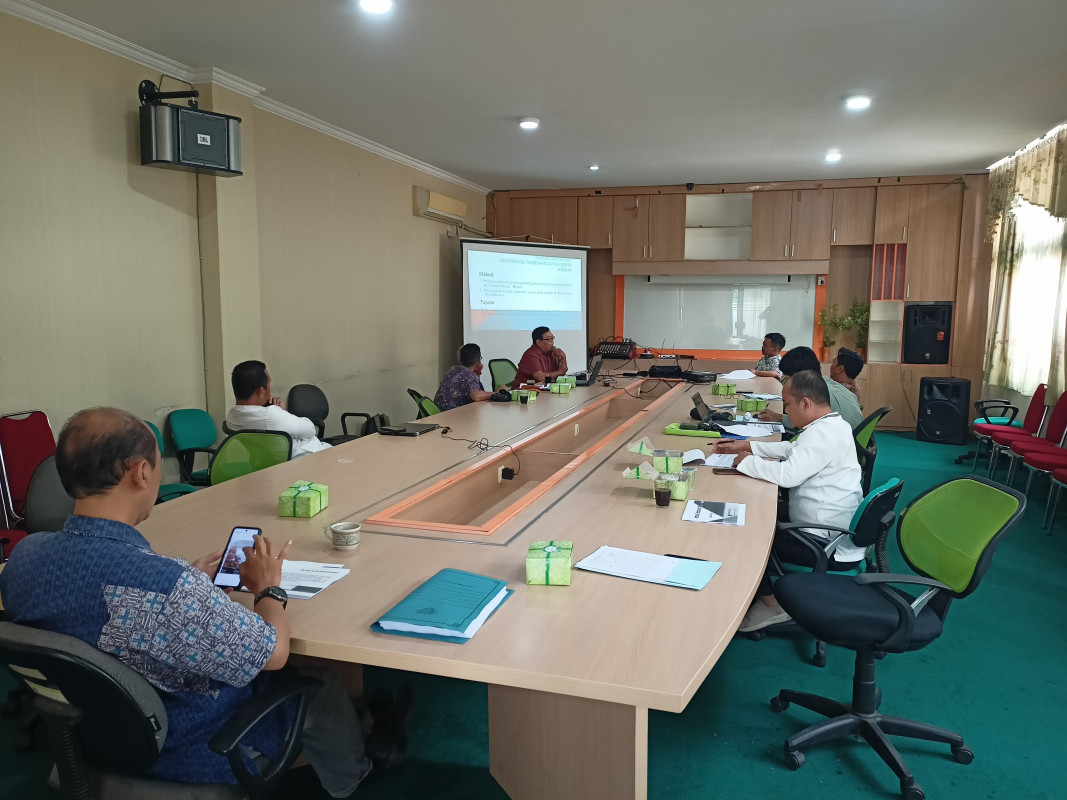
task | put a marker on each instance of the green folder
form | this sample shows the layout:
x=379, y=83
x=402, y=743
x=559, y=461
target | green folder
x=452, y=605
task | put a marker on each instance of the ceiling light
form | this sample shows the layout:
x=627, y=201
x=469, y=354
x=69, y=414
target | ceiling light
x=529, y=123
x=833, y=156
x=376, y=6
x=858, y=102
x=594, y=167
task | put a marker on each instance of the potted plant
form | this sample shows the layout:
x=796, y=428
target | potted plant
x=831, y=327
x=860, y=315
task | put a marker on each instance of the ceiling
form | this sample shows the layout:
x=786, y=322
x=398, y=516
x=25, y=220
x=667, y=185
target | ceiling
x=665, y=92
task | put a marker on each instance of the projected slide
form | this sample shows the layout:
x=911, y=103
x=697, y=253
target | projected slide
x=512, y=291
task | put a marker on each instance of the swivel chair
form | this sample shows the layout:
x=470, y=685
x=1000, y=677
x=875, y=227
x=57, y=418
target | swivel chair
x=307, y=400
x=249, y=451
x=948, y=536
x=427, y=407
x=192, y=431
x=167, y=491
x=25, y=441
x=502, y=371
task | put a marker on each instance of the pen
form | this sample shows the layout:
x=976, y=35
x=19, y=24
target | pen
x=687, y=558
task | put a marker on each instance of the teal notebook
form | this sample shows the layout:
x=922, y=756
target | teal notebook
x=452, y=605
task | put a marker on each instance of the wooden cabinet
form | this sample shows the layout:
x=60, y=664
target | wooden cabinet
x=853, y=216
x=791, y=225
x=547, y=219
x=891, y=214
x=648, y=227
x=934, y=243
x=594, y=221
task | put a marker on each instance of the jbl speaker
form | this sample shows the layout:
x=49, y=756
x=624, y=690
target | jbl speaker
x=943, y=404
x=927, y=333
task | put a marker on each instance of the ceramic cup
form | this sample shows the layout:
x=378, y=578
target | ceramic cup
x=343, y=535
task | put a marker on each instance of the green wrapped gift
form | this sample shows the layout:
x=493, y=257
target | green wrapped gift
x=750, y=405
x=567, y=379
x=667, y=461
x=303, y=499
x=724, y=388
x=561, y=388
x=549, y=563
x=531, y=395
x=679, y=488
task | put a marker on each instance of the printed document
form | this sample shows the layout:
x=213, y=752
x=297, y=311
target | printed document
x=712, y=511
x=304, y=579
x=650, y=567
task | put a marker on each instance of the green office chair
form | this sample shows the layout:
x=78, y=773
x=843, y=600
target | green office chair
x=869, y=528
x=502, y=371
x=867, y=447
x=192, y=431
x=947, y=536
x=865, y=430
x=108, y=725
x=427, y=407
x=168, y=491
x=249, y=451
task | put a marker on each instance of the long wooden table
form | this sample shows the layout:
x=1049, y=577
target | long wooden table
x=572, y=671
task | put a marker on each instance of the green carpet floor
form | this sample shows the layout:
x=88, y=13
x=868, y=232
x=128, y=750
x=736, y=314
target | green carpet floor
x=996, y=675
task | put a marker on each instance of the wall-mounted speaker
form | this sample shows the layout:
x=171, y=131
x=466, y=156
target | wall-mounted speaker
x=927, y=333
x=943, y=414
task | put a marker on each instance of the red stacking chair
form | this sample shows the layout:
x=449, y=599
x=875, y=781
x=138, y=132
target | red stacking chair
x=1043, y=461
x=25, y=441
x=1015, y=442
x=986, y=423
x=1059, y=480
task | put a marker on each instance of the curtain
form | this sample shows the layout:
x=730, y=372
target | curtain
x=1029, y=314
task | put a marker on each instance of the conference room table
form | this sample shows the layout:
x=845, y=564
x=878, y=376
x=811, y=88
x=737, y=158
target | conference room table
x=571, y=670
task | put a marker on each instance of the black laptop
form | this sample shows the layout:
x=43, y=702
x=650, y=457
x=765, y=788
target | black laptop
x=410, y=429
x=588, y=378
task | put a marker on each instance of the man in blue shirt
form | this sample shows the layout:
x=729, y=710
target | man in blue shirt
x=462, y=384
x=98, y=580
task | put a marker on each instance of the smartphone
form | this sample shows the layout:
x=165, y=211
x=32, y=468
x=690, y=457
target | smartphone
x=229, y=571
x=725, y=471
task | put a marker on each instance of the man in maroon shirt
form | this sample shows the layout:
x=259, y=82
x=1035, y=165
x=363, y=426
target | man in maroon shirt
x=543, y=361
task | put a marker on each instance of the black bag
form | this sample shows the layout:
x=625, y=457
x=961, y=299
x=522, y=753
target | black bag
x=374, y=424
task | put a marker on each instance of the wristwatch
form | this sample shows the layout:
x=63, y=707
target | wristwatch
x=274, y=593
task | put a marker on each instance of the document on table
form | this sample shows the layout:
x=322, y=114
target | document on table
x=712, y=511
x=738, y=375
x=761, y=395
x=304, y=579
x=751, y=430
x=684, y=572
x=712, y=460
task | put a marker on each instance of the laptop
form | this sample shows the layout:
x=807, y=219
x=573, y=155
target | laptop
x=588, y=378
x=410, y=429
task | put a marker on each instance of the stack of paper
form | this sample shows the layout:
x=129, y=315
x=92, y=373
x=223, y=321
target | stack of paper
x=712, y=460
x=737, y=375
x=451, y=606
x=668, y=570
x=761, y=395
x=304, y=579
x=712, y=511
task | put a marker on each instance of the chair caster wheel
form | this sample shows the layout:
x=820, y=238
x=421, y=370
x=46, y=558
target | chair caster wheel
x=963, y=754
x=778, y=705
x=756, y=636
x=819, y=659
x=794, y=760
x=913, y=792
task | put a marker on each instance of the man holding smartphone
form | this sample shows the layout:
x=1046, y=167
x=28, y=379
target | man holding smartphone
x=98, y=580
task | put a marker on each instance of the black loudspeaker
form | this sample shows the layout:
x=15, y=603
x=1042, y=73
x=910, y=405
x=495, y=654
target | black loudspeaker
x=943, y=410
x=927, y=333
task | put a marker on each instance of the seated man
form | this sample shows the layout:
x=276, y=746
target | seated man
x=842, y=401
x=256, y=410
x=542, y=362
x=823, y=477
x=767, y=367
x=99, y=581
x=846, y=366
x=462, y=384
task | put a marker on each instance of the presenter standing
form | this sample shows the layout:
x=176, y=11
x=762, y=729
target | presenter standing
x=543, y=361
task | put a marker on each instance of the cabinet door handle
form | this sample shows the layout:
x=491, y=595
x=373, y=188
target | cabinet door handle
x=637, y=202
x=650, y=252
x=644, y=251
x=833, y=237
x=609, y=240
x=907, y=291
x=785, y=251
x=793, y=251
x=904, y=234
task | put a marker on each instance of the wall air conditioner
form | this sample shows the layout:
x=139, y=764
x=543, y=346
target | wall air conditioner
x=441, y=207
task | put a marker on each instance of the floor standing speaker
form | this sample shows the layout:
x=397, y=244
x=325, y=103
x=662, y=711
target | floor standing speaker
x=943, y=404
x=927, y=333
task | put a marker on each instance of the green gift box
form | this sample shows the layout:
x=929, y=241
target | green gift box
x=303, y=499
x=724, y=388
x=667, y=461
x=549, y=563
x=679, y=488
x=750, y=405
x=561, y=388
x=570, y=379
x=531, y=395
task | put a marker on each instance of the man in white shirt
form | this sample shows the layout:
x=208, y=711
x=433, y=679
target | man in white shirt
x=257, y=410
x=823, y=477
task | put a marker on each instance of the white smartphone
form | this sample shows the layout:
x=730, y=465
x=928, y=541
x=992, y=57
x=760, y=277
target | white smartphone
x=229, y=571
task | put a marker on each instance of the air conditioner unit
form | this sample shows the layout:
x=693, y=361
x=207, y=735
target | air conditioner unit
x=438, y=206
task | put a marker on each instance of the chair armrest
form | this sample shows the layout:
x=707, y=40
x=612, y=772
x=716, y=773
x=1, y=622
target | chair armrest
x=907, y=612
x=344, y=420
x=983, y=408
x=285, y=686
x=320, y=426
x=823, y=552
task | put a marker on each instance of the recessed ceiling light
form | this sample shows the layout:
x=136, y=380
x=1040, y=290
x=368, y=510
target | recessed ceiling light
x=833, y=155
x=594, y=167
x=858, y=102
x=529, y=123
x=376, y=6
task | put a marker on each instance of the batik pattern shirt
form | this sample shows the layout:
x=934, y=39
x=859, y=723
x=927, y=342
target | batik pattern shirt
x=456, y=387
x=768, y=364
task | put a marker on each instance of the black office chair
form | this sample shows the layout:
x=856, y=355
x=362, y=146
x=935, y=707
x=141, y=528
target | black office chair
x=947, y=536
x=869, y=529
x=107, y=724
x=307, y=400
